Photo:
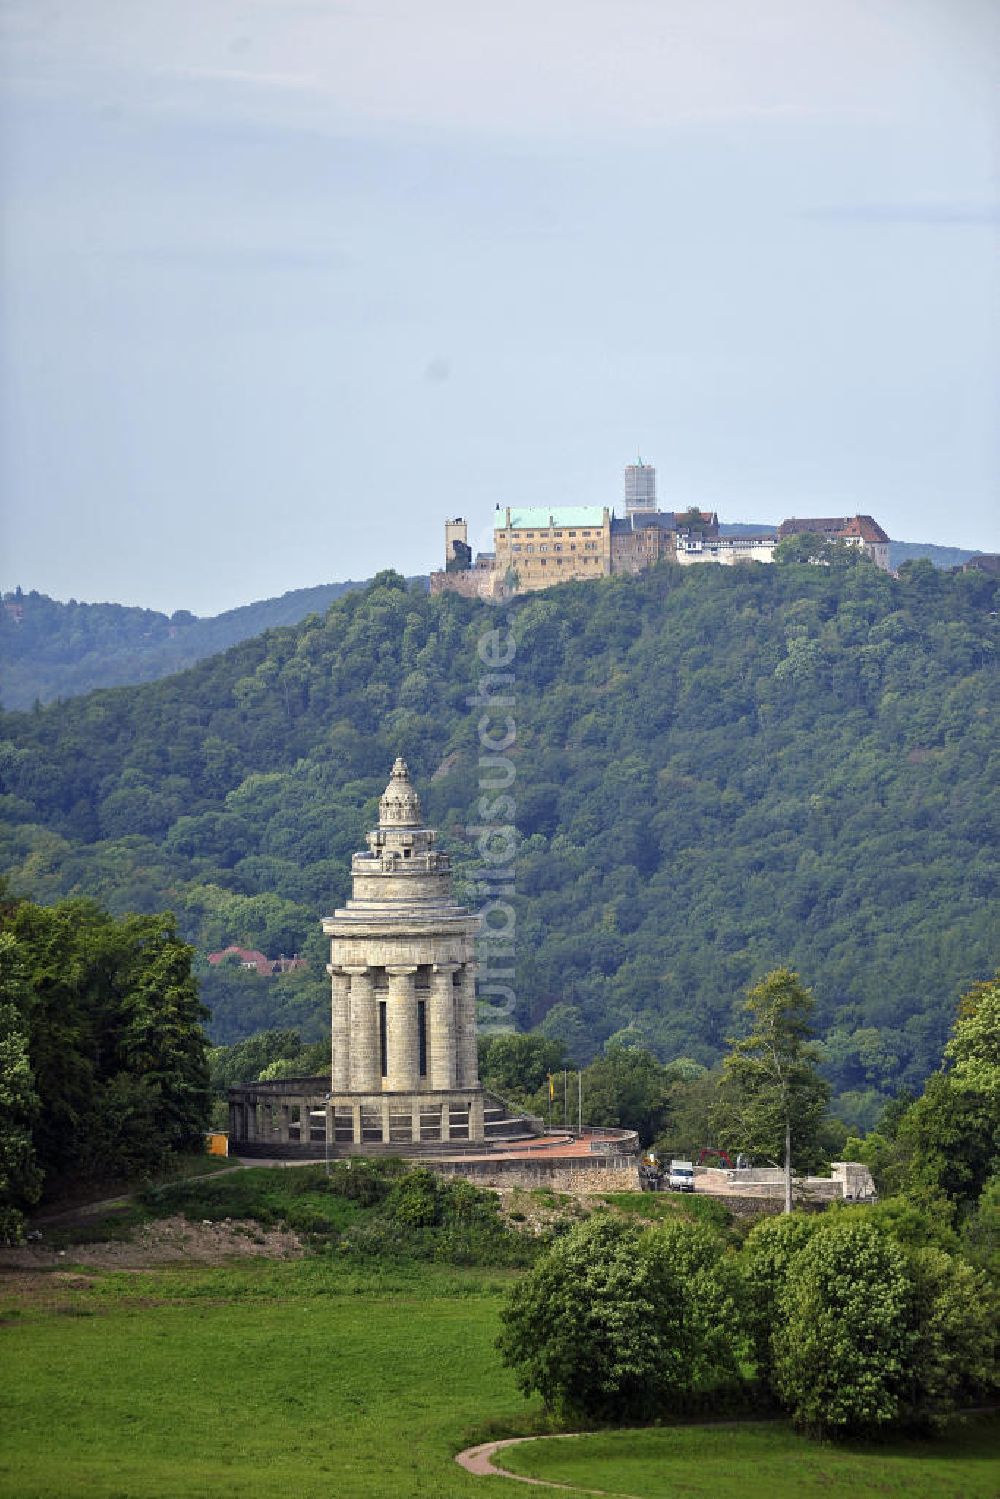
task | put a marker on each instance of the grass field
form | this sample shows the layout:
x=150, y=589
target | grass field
x=358, y=1371
x=769, y=1460
x=306, y=1379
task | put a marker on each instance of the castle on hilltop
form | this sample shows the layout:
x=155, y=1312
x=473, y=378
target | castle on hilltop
x=537, y=546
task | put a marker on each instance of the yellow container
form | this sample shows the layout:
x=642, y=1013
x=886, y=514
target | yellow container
x=218, y=1143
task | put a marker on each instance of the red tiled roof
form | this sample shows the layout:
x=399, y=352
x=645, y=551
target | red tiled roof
x=248, y=955
x=847, y=525
x=865, y=527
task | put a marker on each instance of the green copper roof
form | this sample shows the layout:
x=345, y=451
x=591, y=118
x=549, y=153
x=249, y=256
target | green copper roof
x=538, y=517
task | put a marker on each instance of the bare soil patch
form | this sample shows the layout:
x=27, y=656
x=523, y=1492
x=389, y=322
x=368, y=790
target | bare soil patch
x=168, y=1241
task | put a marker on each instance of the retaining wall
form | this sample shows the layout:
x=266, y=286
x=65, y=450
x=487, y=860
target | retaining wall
x=572, y=1174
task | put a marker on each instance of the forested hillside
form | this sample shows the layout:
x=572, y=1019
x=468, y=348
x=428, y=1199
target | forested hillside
x=49, y=649
x=719, y=771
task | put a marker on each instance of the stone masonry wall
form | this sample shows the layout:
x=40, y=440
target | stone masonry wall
x=559, y=1176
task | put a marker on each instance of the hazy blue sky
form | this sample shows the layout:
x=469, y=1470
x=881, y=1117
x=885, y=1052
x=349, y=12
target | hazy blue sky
x=284, y=283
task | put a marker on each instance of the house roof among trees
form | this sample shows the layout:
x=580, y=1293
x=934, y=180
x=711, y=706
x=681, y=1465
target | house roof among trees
x=847, y=525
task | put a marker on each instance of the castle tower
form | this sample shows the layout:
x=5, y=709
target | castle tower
x=402, y=965
x=457, y=552
x=640, y=488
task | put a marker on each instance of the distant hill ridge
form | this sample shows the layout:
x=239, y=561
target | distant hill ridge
x=51, y=650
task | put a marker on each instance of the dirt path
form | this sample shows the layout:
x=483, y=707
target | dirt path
x=479, y=1461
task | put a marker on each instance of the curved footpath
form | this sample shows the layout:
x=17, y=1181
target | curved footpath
x=479, y=1461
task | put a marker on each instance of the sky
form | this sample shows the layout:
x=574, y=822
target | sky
x=284, y=283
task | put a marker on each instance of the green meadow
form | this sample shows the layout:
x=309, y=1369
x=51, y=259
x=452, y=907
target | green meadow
x=328, y=1381
x=768, y=1460
x=255, y=1379
x=359, y=1370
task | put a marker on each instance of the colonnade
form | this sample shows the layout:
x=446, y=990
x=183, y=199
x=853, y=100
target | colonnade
x=264, y=1121
x=424, y=1038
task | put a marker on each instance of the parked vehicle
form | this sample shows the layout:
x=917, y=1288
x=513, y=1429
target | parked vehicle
x=681, y=1178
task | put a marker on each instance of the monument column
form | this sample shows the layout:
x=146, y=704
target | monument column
x=441, y=1026
x=340, y=1073
x=404, y=1034
x=468, y=1060
x=365, y=1062
x=402, y=1045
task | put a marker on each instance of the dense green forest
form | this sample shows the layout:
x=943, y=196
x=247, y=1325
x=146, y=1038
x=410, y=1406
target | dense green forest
x=50, y=649
x=719, y=771
x=103, y=1070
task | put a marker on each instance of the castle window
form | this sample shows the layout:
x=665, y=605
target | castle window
x=543, y=546
x=383, y=1038
x=422, y=1035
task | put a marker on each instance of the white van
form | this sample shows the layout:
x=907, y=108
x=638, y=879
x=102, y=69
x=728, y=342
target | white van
x=681, y=1178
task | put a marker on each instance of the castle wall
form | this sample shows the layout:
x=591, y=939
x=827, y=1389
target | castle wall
x=470, y=583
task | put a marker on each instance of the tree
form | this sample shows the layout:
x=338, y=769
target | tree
x=20, y=1178
x=953, y=1314
x=111, y=1017
x=810, y=546
x=947, y=1142
x=841, y=1343
x=773, y=1099
x=803, y=546
x=689, y=520
x=617, y=1324
x=249, y=1058
x=871, y=1334
x=974, y=1048
x=691, y=1101
x=627, y=1088
x=943, y=1145
x=770, y=1249
x=516, y=1064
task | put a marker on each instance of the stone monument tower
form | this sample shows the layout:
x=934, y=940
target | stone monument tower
x=402, y=964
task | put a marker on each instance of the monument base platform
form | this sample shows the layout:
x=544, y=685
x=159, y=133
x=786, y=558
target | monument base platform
x=296, y=1118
